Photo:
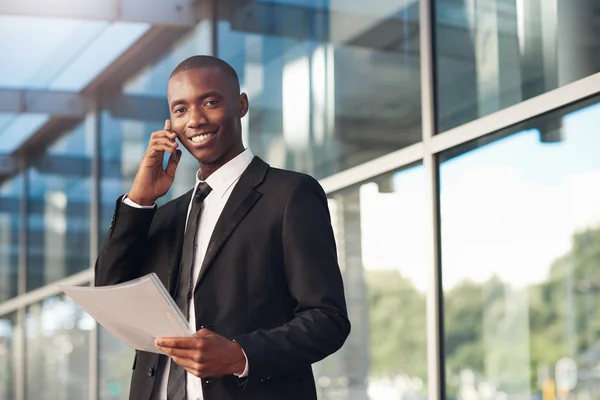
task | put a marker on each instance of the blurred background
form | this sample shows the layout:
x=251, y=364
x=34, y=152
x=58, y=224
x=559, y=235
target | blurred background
x=457, y=140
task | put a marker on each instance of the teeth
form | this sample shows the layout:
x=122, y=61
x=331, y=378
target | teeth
x=200, y=138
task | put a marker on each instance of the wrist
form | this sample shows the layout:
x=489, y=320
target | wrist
x=239, y=366
x=140, y=200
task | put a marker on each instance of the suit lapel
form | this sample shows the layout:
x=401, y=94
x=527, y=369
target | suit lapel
x=177, y=226
x=240, y=202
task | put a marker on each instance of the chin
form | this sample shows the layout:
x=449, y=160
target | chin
x=206, y=157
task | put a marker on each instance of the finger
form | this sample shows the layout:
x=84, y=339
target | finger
x=163, y=134
x=168, y=125
x=157, y=151
x=178, y=343
x=191, y=366
x=183, y=354
x=166, y=141
x=173, y=163
x=204, y=332
x=194, y=372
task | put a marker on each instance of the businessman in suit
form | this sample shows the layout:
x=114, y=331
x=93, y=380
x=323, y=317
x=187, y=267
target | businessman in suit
x=248, y=254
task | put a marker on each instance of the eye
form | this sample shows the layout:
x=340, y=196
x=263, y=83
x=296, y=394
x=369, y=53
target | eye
x=179, y=110
x=211, y=103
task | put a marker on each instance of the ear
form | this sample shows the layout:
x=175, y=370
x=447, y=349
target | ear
x=244, y=105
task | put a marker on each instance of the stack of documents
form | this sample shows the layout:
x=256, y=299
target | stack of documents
x=136, y=312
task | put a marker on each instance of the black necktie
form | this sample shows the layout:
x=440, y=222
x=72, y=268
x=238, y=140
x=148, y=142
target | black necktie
x=185, y=285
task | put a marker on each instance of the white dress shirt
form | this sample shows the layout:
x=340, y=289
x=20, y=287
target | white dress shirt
x=222, y=182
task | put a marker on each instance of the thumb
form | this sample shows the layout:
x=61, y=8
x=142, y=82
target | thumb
x=203, y=333
x=173, y=162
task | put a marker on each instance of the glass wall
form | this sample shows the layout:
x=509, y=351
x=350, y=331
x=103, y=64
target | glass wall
x=115, y=367
x=335, y=84
x=325, y=79
x=11, y=193
x=6, y=358
x=494, y=54
x=520, y=230
x=57, y=350
x=59, y=192
x=380, y=233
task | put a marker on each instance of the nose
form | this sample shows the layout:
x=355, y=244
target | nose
x=196, y=118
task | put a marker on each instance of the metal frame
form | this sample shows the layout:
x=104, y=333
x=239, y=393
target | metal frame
x=425, y=151
x=68, y=104
x=35, y=296
x=513, y=115
x=164, y=12
x=435, y=354
x=92, y=126
x=370, y=169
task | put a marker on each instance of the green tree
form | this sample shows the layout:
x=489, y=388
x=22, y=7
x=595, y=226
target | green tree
x=397, y=319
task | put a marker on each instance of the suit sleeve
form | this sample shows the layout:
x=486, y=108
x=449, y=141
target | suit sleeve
x=122, y=253
x=320, y=325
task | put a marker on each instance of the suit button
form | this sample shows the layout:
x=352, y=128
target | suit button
x=207, y=381
x=150, y=371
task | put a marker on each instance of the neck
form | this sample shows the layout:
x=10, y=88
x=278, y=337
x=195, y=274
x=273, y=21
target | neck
x=208, y=169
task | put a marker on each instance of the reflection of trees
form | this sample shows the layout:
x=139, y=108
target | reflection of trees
x=397, y=325
x=397, y=334
x=562, y=319
x=503, y=335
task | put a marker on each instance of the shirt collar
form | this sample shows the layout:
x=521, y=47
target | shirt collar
x=228, y=174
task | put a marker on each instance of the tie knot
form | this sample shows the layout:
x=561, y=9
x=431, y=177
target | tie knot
x=202, y=191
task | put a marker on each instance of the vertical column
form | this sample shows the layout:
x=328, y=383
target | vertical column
x=19, y=354
x=23, y=237
x=214, y=37
x=435, y=367
x=497, y=57
x=356, y=354
x=577, y=40
x=54, y=265
x=456, y=78
x=19, y=331
x=537, y=27
x=92, y=128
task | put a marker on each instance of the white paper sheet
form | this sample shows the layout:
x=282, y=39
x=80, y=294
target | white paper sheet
x=136, y=312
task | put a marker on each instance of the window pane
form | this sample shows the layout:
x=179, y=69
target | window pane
x=116, y=361
x=57, y=350
x=493, y=54
x=380, y=233
x=330, y=85
x=6, y=358
x=62, y=53
x=59, y=210
x=151, y=81
x=520, y=260
x=16, y=129
x=10, y=226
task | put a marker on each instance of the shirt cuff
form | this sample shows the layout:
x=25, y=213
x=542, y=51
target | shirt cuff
x=131, y=203
x=245, y=373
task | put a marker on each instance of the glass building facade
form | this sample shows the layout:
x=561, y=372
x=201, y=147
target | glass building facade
x=457, y=141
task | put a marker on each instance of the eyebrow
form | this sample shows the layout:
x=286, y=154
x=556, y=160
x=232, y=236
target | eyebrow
x=200, y=98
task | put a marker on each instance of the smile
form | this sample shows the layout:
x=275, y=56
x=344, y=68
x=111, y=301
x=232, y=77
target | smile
x=198, y=139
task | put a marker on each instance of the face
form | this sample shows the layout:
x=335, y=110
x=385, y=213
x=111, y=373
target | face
x=206, y=110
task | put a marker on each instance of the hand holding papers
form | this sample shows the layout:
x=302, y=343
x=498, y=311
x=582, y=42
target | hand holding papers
x=136, y=312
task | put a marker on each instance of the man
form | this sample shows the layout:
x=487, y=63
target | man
x=248, y=254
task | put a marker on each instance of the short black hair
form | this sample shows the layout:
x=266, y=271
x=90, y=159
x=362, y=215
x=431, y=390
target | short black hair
x=197, y=62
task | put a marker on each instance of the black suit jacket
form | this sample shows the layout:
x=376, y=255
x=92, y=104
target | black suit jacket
x=270, y=280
